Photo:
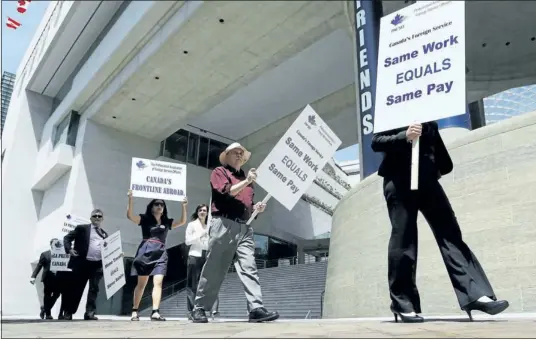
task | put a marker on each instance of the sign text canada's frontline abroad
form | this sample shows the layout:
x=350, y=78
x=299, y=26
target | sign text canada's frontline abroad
x=157, y=179
x=421, y=69
x=290, y=168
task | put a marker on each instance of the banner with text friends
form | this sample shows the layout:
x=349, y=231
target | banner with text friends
x=290, y=168
x=421, y=64
x=112, y=264
x=157, y=179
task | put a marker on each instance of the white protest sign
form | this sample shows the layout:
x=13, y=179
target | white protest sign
x=421, y=65
x=290, y=168
x=112, y=264
x=59, y=259
x=157, y=179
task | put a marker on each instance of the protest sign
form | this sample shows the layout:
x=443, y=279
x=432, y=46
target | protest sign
x=421, y=65
x=112, y=264
x=59, y=259
x=157, y=179
x=290, y=168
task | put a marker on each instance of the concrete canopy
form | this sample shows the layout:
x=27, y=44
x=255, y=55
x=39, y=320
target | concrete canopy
x=268, y=59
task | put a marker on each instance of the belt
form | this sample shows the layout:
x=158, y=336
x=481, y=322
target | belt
x=153, y=240
x=234, y=219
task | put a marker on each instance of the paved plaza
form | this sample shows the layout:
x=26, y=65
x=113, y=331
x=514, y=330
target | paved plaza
x=121, y=327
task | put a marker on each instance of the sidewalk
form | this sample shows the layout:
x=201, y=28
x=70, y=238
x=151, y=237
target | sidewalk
x=505, y=326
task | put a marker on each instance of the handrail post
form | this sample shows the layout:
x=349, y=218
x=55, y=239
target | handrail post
x=322, y=304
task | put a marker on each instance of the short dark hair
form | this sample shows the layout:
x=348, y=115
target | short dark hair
x=53, y=240
x=96, y=211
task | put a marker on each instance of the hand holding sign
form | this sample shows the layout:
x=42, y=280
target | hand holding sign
x=413, y=132
x=260, y=207
x=252, y=175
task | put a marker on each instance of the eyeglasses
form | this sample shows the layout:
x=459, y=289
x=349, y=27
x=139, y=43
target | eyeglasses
x=158, y=204
x=97, y=216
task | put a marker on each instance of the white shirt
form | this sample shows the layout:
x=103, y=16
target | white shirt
x=94, y=248
x=196, y=238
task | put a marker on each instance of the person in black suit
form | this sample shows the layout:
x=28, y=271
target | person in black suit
x=86, y=265
x=472, y=288
x=51, y=283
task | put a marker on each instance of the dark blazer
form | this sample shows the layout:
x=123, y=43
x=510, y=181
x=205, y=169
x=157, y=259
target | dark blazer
x=434, y=158
x=80, y=235
x=44, y=263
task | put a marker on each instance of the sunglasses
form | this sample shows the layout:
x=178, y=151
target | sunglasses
x=97, y=216
x=158, y=204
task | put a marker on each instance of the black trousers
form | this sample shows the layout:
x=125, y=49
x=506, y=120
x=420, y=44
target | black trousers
x=193, y=274
x=83, y=272
x=51, y=292
x=466, y=275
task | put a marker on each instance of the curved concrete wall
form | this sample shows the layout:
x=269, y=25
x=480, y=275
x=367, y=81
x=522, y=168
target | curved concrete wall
x=493, y=192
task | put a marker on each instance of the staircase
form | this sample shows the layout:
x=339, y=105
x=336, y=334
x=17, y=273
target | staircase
x=293, y=291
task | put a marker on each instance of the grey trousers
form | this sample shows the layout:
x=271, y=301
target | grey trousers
x=229, y=240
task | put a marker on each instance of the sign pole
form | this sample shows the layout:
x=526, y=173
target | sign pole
x=415, y=164
x=256, y=212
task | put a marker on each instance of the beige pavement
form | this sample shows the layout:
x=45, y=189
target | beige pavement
x=122, y=328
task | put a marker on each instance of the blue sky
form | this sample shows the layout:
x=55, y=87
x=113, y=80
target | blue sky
x=15, y=43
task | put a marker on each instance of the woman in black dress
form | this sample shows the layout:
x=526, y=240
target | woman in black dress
x=151, y=258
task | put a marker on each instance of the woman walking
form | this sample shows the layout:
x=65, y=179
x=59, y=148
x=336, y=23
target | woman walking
x=468, y=279
x=197, y=239
x=151, y=258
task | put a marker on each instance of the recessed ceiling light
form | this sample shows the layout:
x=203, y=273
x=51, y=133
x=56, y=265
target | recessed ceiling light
x=533, y=38
x=114, y=117
x=156, y=78
x=133, y=99
x=221, y=21
x=484, y=45
x=185, y=52
x=507, y=43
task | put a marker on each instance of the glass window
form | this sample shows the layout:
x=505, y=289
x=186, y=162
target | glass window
x=203, y=152
x=162, y=148
x=176, y=145
x=215, y=149
x=72, y=132
x=193, y=144
x=261, y=246
x=61, y=130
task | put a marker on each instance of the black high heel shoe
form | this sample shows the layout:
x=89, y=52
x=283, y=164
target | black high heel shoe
x=491, y=307
x=407, y=318
x=159, y=318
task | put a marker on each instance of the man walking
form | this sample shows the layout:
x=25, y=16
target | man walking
x=86, y=264
x=230, y=237
x=51, y=284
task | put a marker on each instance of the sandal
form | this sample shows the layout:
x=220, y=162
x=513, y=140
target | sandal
x=137, y=317
x=159, y=318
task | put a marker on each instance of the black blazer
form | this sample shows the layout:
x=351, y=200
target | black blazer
x=434, y=159
x=80, y=235
x=44, y=263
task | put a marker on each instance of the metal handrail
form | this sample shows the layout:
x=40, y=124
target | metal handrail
x=322, y=303
x=283, y=261
x=173, y=287
x=307, y=315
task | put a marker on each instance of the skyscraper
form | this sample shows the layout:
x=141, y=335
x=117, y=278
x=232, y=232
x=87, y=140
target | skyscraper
x=8, y=81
